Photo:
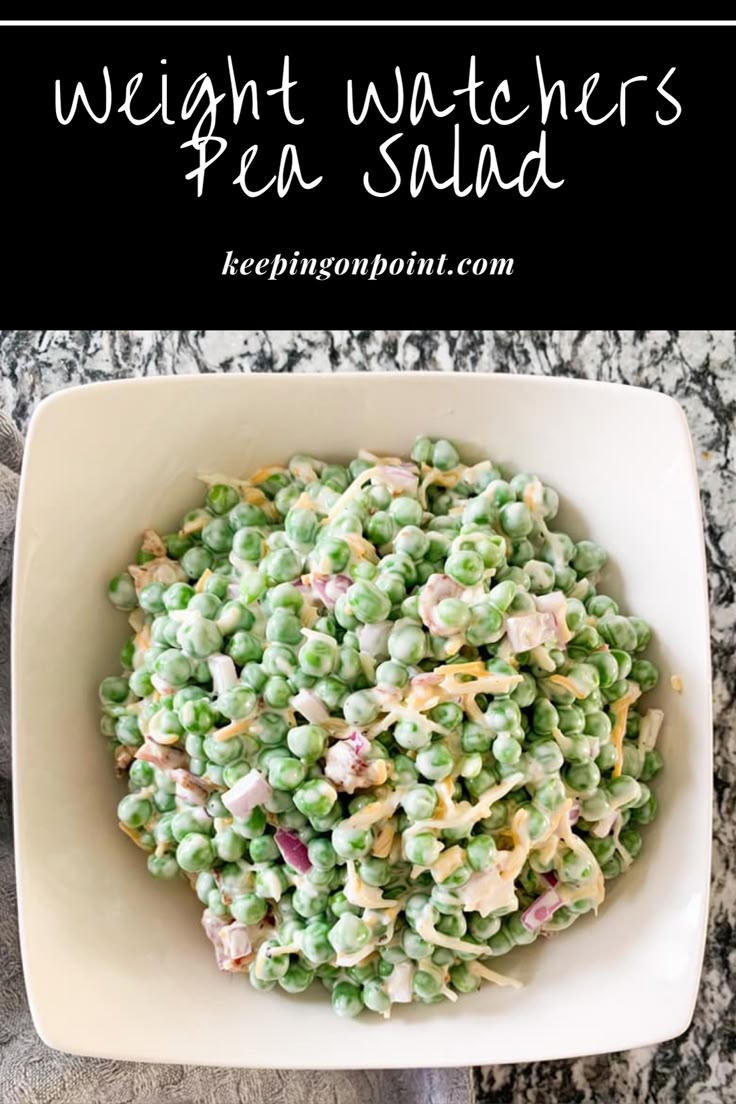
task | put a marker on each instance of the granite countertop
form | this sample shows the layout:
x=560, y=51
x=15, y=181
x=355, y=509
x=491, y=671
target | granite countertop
x=696, y=367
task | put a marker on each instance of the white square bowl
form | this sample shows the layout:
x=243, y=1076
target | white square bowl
x=116, y=964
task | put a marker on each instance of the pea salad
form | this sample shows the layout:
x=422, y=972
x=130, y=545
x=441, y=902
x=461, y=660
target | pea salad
x=380, y=718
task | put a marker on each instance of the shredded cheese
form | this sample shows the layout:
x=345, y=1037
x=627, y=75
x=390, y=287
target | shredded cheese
x=482, y=971
x=620, y=710
x=568, y=684
x=202, y=580
x=233, y=729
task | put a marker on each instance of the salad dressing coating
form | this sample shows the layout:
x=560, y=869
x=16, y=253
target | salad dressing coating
x=381, y=719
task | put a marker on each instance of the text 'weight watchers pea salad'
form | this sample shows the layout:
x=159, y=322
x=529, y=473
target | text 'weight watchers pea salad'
x=382, y=721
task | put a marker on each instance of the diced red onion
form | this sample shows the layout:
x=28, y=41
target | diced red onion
x=328, y=588
x=250, y=790
x=427, y=678
x=603, y=826
x=233, y=591
x=574, y=812
x=293, y=850
x=237, y=941
x=359, y=743
x=166, y=758
x=528, y=630
x=541, y=910
x=224, y=675
x=549, y=877
x=373, y=639
x=399, y=477
x=310, y=706
x=399, y=983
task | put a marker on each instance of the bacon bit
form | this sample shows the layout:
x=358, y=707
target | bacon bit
x=620, y=710
x=123, y=759
x=166, y=758
x=161, y=570
x=676, y=684
x=152, y=543
x=202, y=580
x=233, y=729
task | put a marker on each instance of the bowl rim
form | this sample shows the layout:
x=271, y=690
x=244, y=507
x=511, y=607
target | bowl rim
x=490, y=378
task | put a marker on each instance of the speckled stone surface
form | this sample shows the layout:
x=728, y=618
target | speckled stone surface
x=699, y=369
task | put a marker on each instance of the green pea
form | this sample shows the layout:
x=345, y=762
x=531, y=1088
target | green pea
x=653, y=764
x=367, y=602
x=405, y=511
x=361, y=707
x=583, y=778
x=618, y=632
x=374, y=871
x=121, y=591
x=407, y=643
x=420, y=802
x=632, y=841
x=391, y=673
x=316, y=798
x=645, y=674
x=134, y=810
x=589, y=557
x=140, y=774
x=347, y=1000
x=128, y=732
x=163, y=866
x=199, y=639
x=222, y=752
x=195, y=853
x=286, y=773
x=229, y=845
x=624, y=661
x=221, y=498
x=113, y=691
x=174, y=667
x=550, y=794
x=263, y=849
x=422, y=849
x=435, y=762
x=352, y=843
x=481, y=852
x=284, y=627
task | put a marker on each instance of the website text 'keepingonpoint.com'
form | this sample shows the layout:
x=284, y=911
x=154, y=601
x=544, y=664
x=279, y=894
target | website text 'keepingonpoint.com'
x=371, y=268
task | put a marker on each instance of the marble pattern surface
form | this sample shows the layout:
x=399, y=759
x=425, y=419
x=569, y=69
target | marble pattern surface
x=696, y=367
